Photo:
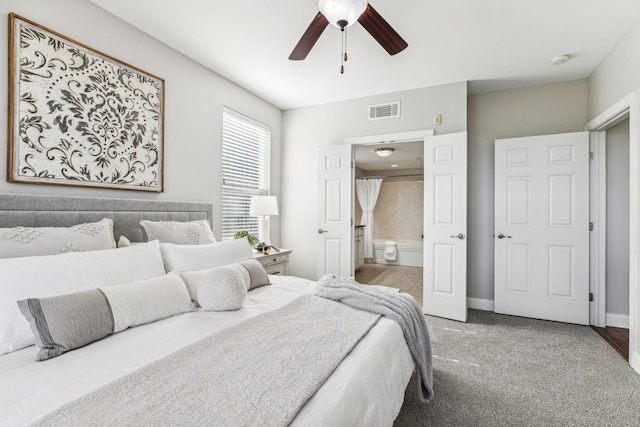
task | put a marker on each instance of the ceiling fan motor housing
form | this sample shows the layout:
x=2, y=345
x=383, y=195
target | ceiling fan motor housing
x=338, y=12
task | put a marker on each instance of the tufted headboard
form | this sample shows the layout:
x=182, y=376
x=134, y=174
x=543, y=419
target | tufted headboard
x=64, y=211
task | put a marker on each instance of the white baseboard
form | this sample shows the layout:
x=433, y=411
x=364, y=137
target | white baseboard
x=617, y=320
x=480, y=304
x=612, y=319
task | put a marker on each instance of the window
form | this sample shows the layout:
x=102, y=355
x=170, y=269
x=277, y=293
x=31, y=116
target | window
x=245, y=170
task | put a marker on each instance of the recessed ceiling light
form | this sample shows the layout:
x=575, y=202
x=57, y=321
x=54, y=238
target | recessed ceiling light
x=394, y=165
x=560, y=59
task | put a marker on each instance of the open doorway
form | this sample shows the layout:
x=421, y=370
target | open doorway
x=395, y=257
x=615, y=329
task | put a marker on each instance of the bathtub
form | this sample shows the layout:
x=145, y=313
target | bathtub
x=409, y=253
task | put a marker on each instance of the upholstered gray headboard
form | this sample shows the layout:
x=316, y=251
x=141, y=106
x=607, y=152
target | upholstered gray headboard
x=63, y=211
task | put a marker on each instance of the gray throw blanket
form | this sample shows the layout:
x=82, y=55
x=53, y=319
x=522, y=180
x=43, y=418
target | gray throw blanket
x=396, y=306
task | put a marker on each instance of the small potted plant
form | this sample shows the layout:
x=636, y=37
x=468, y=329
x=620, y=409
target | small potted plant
x=253, y=240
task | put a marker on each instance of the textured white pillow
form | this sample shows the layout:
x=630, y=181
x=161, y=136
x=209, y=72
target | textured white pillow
x=44, y=276
x=138, y=303
x=181, y=233
x=32, y=241
x=252, y=273
x=201, y=257
x=221, y=289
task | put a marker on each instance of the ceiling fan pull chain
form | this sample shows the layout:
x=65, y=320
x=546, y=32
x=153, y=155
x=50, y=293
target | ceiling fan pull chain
x=345, y=45
x=344, y=54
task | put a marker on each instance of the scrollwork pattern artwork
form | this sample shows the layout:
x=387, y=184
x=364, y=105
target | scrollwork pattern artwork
x=79, y=117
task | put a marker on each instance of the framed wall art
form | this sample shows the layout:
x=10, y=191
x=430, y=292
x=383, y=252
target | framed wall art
x=80, y=117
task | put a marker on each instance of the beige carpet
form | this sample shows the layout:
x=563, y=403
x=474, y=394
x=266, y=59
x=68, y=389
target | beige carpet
x=499, y=370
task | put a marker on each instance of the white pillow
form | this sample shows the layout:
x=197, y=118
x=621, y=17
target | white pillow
x=145, y=301
x=252, y=273
x=201, y=257
x=181, y=233
x=32, y=241
x=221, y=289
x=44, y=276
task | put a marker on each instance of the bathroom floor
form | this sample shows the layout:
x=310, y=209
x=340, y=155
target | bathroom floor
x=408, y=279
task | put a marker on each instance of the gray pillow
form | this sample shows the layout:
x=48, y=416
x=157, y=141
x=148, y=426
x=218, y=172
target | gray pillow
x=257, y=274
x=30, y=241
x=180, y=233
x=66, y=322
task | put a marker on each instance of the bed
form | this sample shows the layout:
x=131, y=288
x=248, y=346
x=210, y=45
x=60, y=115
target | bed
x=366, y=388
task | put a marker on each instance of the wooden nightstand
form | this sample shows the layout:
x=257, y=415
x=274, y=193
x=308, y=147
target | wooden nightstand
x=275, y=262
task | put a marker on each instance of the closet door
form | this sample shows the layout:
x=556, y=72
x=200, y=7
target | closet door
x=334, y=211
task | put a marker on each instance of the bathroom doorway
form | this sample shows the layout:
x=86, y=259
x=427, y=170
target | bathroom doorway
x=396, y=257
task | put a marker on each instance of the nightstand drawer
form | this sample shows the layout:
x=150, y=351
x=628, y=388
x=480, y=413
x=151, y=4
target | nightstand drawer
x=274, y=259
x=279, y=268
x=275, y=263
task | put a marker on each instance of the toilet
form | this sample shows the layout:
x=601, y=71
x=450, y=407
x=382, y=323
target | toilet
x=390, y=250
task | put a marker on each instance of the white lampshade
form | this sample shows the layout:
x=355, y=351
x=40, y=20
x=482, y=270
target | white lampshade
x=263, y=206
x=342, y=10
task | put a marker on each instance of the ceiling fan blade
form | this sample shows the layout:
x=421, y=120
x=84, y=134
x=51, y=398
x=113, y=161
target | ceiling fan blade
x=309, y=38
x=382, y=31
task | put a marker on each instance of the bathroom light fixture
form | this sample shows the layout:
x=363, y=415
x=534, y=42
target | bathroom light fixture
x=560, y=59
x=384, y=151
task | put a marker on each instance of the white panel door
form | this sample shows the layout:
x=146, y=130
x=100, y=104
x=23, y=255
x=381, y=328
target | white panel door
x=445, y=226
x=542, y=227
x=334, y=210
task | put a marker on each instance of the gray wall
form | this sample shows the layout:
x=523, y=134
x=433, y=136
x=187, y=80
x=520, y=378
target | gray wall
x=555, y=108
x=617, y=75
x=306, y=129
x=618, y=218
x=194, y=97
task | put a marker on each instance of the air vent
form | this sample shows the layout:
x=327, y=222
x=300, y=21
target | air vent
x=384, y=111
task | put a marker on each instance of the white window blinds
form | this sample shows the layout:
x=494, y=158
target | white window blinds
x=245, y=170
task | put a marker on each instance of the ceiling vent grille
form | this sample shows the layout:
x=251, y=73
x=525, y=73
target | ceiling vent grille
x=384, y=111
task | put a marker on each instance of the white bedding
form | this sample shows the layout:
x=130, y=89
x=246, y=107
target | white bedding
x=366, y=389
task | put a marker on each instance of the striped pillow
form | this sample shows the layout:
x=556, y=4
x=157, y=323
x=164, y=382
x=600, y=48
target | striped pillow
x=66, y=322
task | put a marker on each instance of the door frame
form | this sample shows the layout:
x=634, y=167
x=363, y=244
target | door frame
x=396, y=137
x=629, y=106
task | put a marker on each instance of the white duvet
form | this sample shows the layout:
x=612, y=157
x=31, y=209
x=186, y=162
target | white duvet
x=366, y=389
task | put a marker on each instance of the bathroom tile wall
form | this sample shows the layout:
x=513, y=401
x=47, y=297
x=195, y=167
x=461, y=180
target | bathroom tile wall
x=399, y=211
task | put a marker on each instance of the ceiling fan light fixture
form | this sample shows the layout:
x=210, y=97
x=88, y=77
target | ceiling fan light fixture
x=384, y=151
x=337, y=11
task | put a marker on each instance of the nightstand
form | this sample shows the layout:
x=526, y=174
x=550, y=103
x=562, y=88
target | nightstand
x=275, y=262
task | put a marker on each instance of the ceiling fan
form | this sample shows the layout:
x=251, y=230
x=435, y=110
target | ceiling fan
x=342, y=14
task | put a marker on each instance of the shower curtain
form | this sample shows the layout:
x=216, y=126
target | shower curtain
x=368, y=191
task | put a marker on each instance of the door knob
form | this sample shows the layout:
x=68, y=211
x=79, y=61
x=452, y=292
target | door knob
x=320, y=231
x=458, y=236
x=502, y=236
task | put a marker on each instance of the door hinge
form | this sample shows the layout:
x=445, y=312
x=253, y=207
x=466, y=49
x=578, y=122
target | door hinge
x=590, y=296
x=351, y=221
x=590, y=226
x=590, y=155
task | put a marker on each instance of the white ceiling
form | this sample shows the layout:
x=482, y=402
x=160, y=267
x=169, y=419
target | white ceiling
x=493, y=44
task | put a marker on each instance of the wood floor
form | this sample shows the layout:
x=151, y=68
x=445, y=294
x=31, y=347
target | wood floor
x=618, y=338
x=407, y=279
